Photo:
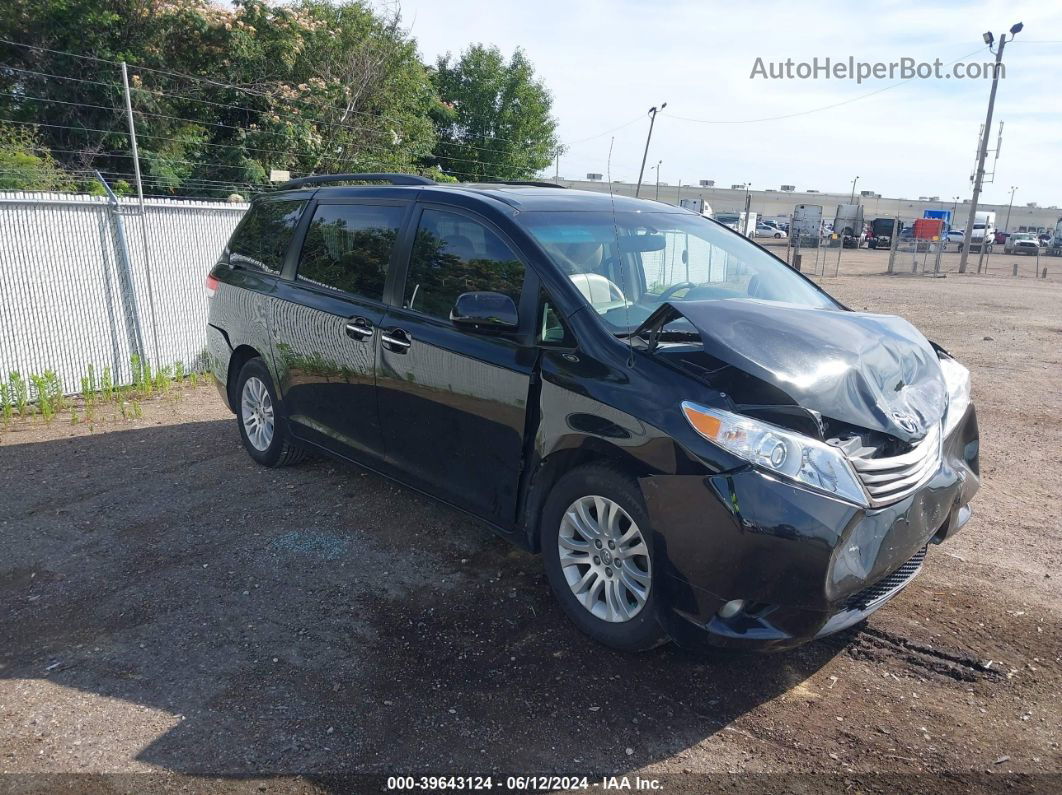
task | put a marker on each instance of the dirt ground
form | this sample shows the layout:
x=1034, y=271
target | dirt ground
x=168, y=607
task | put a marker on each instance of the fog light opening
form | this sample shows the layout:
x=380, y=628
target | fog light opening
x=731, y=608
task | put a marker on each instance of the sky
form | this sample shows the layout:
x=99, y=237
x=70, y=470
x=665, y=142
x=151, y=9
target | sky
x=606, y=63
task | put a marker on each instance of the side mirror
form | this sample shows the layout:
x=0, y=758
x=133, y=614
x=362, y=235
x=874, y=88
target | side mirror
x=483, y=311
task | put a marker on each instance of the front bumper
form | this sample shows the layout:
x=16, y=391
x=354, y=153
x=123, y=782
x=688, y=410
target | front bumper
x=800, y=560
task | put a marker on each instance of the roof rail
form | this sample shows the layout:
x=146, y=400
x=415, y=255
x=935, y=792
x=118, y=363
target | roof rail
x=324, y=179
x=526, y=182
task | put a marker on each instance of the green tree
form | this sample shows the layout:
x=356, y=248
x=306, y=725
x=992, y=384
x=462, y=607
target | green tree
x=493, y=120
x=25, y=165
x=311, y=86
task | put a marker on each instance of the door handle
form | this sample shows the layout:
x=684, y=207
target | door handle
x=397, y=338
x=358, y=328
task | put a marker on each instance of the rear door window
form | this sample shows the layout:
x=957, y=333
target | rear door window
x=262, y=238
x=348, y=248
x=453, y=254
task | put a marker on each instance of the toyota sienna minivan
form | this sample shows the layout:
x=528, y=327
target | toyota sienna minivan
x=703, y=444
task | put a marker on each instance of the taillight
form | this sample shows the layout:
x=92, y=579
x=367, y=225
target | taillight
x=211, y=285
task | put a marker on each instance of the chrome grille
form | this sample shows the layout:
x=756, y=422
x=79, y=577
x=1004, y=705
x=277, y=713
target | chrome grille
x=888, y=480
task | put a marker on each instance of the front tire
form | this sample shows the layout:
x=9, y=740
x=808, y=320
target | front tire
x=260, y=416
x=599, y=558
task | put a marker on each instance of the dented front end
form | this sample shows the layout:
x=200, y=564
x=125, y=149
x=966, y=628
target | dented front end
x=758, y=560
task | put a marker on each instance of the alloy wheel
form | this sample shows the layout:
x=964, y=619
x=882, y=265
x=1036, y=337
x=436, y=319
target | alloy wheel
x=257, y=413
x=604, y=558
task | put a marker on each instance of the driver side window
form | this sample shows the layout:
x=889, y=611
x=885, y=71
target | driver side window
x=453, y=254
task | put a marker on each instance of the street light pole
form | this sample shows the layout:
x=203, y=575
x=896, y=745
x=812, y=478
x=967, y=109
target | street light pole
x=1010, y=207
x=657, y=167
x=854, y=181
x=652, y=120
x=982, y=154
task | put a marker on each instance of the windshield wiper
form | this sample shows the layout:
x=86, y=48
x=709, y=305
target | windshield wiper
x=661, y=336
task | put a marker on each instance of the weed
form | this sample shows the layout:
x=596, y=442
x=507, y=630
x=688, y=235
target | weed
x=54, y=389
x=178, y=371
x=106, y=384
x=44, y=402
x=162, y=379
x=5, y=402
x=19, y=392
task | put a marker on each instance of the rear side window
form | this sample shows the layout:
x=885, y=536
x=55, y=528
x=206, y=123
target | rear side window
x=261, y=240
x=348, y=247
x=453, y=254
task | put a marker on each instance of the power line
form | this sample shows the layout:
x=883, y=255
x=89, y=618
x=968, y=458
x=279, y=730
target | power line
x=313, y=103
x=58, y=77
x=57, y=101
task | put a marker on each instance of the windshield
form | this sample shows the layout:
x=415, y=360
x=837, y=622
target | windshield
x=627, y=265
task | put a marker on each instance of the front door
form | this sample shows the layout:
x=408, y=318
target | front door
x=326, y=325
x=452, y=402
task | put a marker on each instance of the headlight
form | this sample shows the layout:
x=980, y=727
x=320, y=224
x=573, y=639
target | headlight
x=957, y=379
x=793, y=455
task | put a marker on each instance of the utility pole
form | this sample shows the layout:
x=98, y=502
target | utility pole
x=657, y=167
x=1006, y=227
x=854, y=181
x=652, y=120
x=982, y=153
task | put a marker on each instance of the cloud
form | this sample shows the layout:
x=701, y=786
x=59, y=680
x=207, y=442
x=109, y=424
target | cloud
x=606, y=62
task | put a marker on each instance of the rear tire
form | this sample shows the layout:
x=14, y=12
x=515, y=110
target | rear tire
x=261, y=419
x=615, y=570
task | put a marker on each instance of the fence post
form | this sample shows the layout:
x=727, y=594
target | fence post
x=893, y=241
x=125, y=273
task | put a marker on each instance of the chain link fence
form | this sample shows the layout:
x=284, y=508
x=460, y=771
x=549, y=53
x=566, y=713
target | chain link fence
x=89, y=281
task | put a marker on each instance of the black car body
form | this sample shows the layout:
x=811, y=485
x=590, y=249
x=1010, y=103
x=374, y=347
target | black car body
x=420, y=367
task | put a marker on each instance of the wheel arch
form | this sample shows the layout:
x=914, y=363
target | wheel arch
x=240, y=356
x=551, y=468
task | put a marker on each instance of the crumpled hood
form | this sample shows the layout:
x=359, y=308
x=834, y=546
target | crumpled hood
x=872, y=371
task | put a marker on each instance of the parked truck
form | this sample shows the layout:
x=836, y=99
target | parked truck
x=848, y=224
x=983, y=233
x=1054, y=245
x=940, y=215
x=699, y=206
x=881, y=232
x=806, y=230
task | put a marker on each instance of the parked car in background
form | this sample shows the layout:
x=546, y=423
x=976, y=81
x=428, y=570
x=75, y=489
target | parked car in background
x=766, y=230
x=701, y=442
x=956, y=235
x=1021, y=243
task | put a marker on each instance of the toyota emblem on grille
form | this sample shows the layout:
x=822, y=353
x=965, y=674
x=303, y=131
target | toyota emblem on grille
x=905, y=421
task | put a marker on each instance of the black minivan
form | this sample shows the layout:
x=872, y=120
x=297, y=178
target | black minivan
x=703, y=445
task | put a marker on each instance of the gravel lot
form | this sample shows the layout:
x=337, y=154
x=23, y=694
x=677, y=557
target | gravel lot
x=167, y=606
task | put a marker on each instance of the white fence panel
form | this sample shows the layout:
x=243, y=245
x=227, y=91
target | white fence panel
x=71, y=295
